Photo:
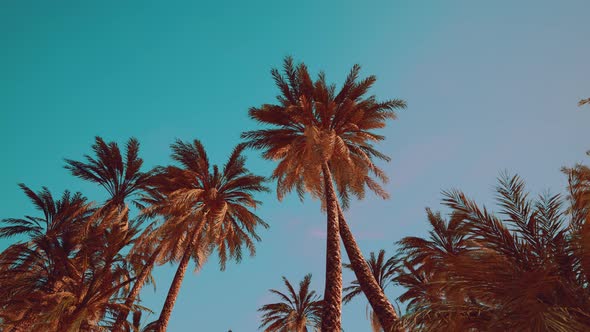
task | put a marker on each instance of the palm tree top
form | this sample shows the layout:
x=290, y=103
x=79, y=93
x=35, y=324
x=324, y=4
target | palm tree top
x=120, y=175
x=223, y=197
x=295, y=311
x=312, y=124
x=58, y=214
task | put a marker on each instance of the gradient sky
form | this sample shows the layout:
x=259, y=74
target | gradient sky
x=490, y=86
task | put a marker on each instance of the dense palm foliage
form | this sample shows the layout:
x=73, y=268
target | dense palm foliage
x=296, y=312
x=73, y=261
x=69, y=274
x=524, y=269
x=323, y=142
x=383, y=270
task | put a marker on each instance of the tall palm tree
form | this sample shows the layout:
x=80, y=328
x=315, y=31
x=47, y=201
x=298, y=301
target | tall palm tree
x=204, y=208
x=122, y=177
x=383, y=271
x=297, y=310
x=323, y=143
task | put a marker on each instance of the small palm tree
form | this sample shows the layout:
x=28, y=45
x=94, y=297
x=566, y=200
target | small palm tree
x=297, y=310
x=203, y=209
x=383, y=271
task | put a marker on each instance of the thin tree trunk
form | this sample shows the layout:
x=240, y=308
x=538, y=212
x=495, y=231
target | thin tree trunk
x=333, y=286
x=173, y=291
x=177, y=282
x=137, y=286
x=381, y=306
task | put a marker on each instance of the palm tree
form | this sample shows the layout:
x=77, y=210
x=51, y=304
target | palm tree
x=296, y=312
x=122, y=177
x=33, y=269
x=522, y=271
x=204, y=209
x=322, y=141
x=27, y=270
x=69, y=274
x=89, y=268
x=383, y=271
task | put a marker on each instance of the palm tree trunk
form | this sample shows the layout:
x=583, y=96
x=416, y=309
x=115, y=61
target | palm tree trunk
x=333, y=286
x=381, y=306
x=375, y=323
x=177, y=282
x=137, y=286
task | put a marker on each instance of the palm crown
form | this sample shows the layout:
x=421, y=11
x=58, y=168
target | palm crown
x=120, y=175
x=313, y=125
x=219, y=199
x=296, y=311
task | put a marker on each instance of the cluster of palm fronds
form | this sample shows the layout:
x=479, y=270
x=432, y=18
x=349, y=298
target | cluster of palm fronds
x=296, y=311
x=523, y=269
x=80, y=265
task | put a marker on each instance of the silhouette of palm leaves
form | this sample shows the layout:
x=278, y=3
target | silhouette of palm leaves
x=296, y=311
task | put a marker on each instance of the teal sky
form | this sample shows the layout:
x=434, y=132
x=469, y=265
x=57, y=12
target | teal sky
x=490, y=86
